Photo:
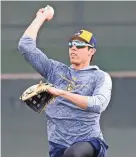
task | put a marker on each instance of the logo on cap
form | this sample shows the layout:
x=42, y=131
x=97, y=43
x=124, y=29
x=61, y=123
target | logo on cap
x=79, y=32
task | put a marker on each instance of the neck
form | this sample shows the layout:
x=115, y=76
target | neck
x=79, y=66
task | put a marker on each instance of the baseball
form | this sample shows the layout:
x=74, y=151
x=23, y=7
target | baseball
x=48, y=9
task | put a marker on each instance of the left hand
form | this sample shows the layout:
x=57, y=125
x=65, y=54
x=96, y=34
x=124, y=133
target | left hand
x=55, y=91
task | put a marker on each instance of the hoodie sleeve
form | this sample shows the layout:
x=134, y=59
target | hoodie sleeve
x=101, y=95
x=37, y=59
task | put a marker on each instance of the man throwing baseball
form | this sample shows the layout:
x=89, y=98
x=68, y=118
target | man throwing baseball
x=82, y=91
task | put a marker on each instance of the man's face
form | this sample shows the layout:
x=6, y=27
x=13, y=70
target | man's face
x=79, y=52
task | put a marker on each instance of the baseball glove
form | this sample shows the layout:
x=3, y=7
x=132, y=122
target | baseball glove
x=37, y=96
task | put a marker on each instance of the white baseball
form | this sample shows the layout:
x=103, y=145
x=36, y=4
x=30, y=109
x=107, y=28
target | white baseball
x=50, y=9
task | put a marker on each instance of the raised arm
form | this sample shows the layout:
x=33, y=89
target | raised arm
x=43, y=15
x=27, y=44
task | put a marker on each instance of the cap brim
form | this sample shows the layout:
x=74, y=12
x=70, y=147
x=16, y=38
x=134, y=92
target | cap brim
x=77, y=37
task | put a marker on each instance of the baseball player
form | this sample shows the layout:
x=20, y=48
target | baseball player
x=82, y=91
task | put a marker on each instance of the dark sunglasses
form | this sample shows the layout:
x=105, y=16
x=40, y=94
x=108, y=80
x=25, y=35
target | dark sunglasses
x=78, y=44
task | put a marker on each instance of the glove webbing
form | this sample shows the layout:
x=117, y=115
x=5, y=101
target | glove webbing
x=37, y=103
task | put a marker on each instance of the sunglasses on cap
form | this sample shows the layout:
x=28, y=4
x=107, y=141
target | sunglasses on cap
x=78, y=44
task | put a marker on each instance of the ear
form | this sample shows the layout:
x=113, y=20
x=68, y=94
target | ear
x=92, y=51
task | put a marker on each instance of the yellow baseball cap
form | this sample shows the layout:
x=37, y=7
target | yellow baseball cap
x=85, y=36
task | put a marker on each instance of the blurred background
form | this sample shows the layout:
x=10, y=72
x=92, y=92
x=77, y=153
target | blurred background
x=114, y=26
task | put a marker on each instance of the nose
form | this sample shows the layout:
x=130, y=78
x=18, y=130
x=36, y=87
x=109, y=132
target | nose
x=74, y=47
